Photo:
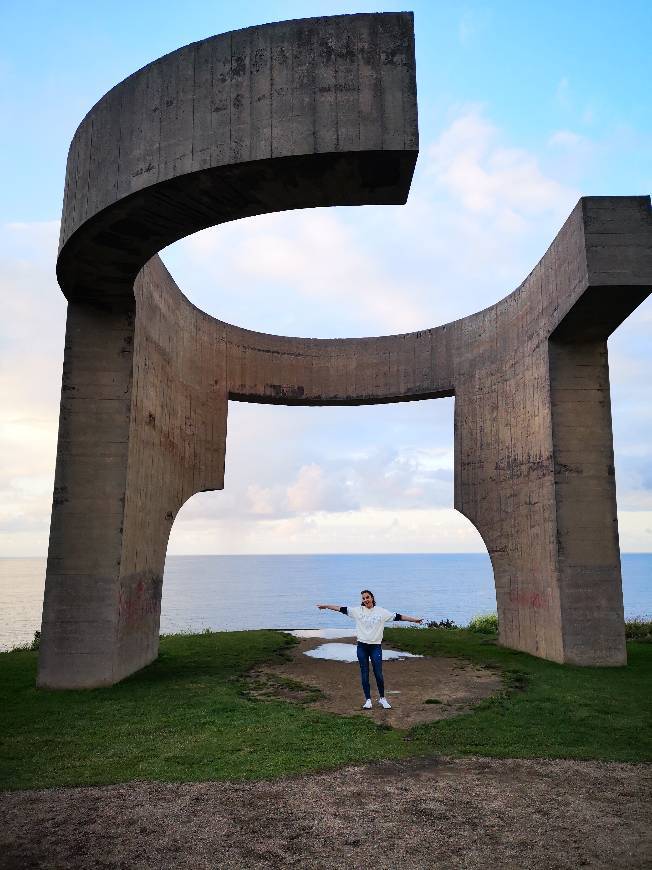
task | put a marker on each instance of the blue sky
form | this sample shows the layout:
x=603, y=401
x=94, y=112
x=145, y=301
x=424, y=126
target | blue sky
x=522, y=109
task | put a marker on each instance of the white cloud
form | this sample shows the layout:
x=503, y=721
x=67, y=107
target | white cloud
x=313, y=259
x=566, y=139
x=31, y=353
x=563, y=93
x=635, y=531
x=485, y=176
x=630, y=374
x=314, y=490
x=261, y=500
x=366, y=530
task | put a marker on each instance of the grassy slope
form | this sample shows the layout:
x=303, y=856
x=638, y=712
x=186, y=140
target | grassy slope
x=185, y=717
x=550, y=710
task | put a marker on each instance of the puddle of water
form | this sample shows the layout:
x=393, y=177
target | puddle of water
x=322, y=632
x=346, y=652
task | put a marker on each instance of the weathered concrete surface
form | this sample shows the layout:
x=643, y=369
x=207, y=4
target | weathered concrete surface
x=315, y=112
x=299, y=114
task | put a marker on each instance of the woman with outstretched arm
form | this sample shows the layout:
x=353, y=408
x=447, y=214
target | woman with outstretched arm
x=369, y=626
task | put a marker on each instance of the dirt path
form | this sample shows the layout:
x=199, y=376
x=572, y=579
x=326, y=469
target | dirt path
x=419, y=689
x=469, y=813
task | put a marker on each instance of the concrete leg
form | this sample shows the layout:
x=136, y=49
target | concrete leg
x=504, y=484
x=588, y=552
x=143, y=427
x=535, y=475
x=80, y=611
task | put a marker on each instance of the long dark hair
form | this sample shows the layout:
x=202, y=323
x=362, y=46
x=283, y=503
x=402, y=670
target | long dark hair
x=369, y=592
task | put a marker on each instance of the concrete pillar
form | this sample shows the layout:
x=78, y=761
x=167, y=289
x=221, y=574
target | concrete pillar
x=80, y=609
x=143, y=427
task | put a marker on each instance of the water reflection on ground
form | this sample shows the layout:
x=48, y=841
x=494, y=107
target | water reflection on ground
x=346, y=652
x=341, y=652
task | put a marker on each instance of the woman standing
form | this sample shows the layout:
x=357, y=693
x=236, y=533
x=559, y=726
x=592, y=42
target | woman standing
x=369, y=626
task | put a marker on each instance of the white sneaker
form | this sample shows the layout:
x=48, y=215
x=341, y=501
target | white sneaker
x=384, y=703
x=367, y=704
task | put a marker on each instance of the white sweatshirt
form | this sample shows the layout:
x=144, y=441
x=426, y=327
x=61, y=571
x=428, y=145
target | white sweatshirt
x=370, y=622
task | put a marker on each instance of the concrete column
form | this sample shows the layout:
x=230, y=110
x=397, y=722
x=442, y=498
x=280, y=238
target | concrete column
x=80, y=611
x=588, y=552
x=504, y=484
x=143, y=428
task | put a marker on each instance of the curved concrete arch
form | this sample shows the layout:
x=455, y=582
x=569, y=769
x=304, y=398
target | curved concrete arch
x=298, y=114
x=295, y=115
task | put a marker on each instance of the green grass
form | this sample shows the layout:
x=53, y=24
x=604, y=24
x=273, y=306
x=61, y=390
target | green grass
x=183, y=718
x=189, y=716
x=547, y=710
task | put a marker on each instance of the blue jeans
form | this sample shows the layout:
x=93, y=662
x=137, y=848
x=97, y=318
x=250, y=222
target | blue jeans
x=373, y=651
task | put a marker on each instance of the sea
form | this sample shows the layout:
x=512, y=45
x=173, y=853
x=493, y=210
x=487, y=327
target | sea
x=229, y=593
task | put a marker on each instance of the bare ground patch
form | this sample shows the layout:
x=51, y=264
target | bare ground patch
x=420, y=689
x=467, y=813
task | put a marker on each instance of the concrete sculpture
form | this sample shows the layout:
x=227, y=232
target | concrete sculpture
x=293, y=115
